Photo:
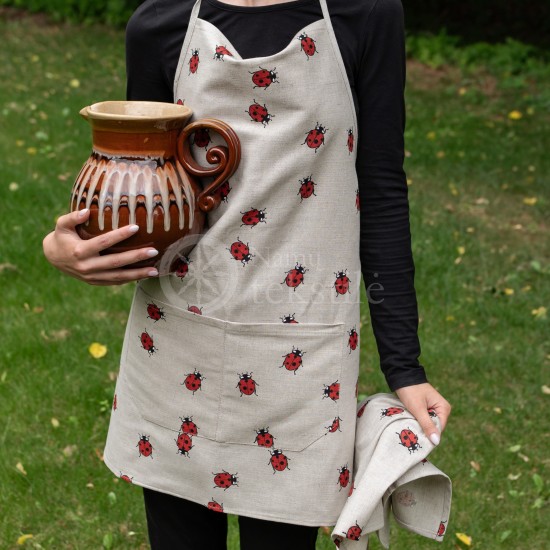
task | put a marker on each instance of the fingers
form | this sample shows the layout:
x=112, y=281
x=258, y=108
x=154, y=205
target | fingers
x=67, y=222
x=95, y=245
x=443, y=410
x=119, y=276
x=421, y=414
x=114, y=261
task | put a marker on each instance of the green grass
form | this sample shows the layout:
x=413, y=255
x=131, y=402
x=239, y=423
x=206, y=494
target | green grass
x=483, y=348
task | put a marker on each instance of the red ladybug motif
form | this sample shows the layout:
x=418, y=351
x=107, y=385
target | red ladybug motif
x=357, y=201
x=289, y=319
x=184, y=443
x=126, y=478
x=350, y=141
x=225, y=480
x=181, y=266
x=147, y=343
x=193, y=381
x=224, y=190
x=264, y=438
x=338, y=540
x=188, y=426
x=215, y=506
x=431, y=412
x=264, y=78
x=441, y=529
x=259, y=114
x=180, y=101
x=354, y=532
x=343, y=478
x=334, y=426
x=145, y=447
x=278, y=460
x=391, y=411
x=307, y=188
x=195, y=309
x=155, y=312
x=295, y=277
x=220, y=52
x=247, y=385
x=409, y=439
x=307, y=45
x=253, y=217
x=342, y=282
x=194, y=61
x=332, y=391
x=361, y=410
x=201, y=138
x=353, y=339
x=241, y=251
x=293, y=360
x=316, y=137
x=115, y=404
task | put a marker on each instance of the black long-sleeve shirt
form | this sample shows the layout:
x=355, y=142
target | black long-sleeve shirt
x=371, y=38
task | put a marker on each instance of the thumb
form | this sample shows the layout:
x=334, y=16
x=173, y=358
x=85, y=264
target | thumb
x=426, y=423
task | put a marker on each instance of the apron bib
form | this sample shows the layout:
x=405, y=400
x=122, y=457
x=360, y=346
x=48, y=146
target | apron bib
x=238, y=377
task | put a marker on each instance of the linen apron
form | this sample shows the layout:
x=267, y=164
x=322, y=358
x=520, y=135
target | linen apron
x=238, y=378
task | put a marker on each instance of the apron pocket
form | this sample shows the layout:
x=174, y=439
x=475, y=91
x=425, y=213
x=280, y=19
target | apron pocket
x=280, y=383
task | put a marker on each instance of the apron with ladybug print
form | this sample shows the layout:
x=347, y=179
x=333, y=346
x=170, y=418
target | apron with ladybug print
x=238, y=379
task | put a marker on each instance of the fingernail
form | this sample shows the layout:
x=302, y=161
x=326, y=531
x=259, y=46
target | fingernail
x=133, y=228
x=152, y=253
x=153, y=273
x=434, y=438
x=82, y=213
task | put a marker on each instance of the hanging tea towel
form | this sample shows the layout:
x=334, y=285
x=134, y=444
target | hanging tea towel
x=391, y=473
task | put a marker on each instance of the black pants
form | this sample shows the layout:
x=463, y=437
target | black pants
x=178, y=524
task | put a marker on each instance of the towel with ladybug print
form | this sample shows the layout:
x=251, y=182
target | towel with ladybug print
x=392, y=475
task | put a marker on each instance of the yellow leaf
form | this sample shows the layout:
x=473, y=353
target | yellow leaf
x=13, y=186
x=526, y=288
x=461, y=250
x=498, y=410
x=515, y=115
x=97, y=350
x=19, y=142
x=539, y=313
x=545, y=389
x=23, y=539
x=470, y=230
x=440, y=154
x=55, y=422
x=409, y=181
x=31, y=150
x=530, y=111
x=530, y=200
x=450, y=318
x=462, y=90
x=74, y=83
x=431, y=135
x=475, y=465
x=466, y=539
x=20, y=467
x=508, y=291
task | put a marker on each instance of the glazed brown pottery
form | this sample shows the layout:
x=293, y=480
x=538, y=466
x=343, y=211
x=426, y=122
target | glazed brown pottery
x=141, y=171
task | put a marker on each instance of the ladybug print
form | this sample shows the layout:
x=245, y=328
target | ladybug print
x=293, y=360
x=126, y=478
x=307, y=188
x=342, y=282
x=194, y=61
x=350, y=141
x=343, y=478
x=441, y=529
x=264, y=78
x=184, y=443
x=215, y=506
x=353, y=340
x=147, y=343
x=188, y=426
x=224, y=190
x=295, y=277
x=335, y=425
x=241, y=251
x=115, y=404
x=145, y=447
x=354, y=532
x=225, y=480
x=357, y=200
x=431, y=412
x=181, y=267
x=361, y=410
x=391, y=411
x=220, y=52
x=409, y=439
x=278, y=461
x=332, y=391
x=259, y=114
x=201, y=138
x=289, y=319
x=316, y=137
x=193, y=381
x=180, y=102
x=307, y=45
x=247, y=385
x=338, y=540
x=194, y=309
x=264, y=438
x=155, y=312
x=253, y=217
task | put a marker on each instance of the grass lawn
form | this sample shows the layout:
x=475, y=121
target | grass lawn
x=479, y=193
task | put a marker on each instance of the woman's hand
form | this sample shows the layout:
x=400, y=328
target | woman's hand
x=80, y=258
x=418, y=399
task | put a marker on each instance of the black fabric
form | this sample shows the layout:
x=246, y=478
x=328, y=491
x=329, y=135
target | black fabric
x=371, y=38
x=178, y=524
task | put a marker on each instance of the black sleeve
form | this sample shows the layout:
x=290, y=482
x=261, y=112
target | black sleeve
x=386, y=255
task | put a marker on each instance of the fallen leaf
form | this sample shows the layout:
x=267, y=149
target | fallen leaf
x=23, y=539
x=97, y=350
x=539, y=313
x=508, y=291
x=545, y=389
x=513, y=477
x=55, y=422
x=475, y=465
x=7, y=265
x=14, y=186
x=514, y=448
x=20, y=467
x=515, y=115
x=461, y=250
x=90, y=485
x=498, y=410
x=431, y=135
x=462, y=90
x=70, y=450
x=465, y=539
x=523, y=457
x=530, y=200
x=74, y=83
x=440, y=154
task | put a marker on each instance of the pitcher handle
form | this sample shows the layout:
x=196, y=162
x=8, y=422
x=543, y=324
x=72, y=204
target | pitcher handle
x=226, y=159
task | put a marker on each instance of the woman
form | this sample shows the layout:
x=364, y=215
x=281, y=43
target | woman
x=245, y=403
